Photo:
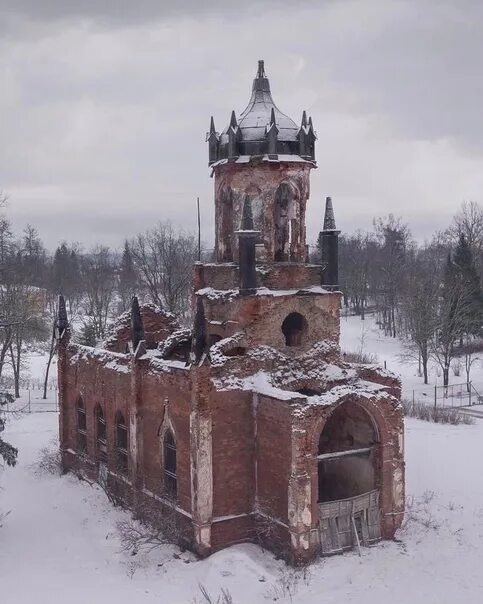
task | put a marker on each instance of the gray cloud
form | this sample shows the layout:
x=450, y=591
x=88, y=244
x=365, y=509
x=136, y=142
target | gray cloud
x=104, y=109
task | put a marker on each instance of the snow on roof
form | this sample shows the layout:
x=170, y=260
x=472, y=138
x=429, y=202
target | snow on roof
x=355, y=388
x=229, y=294
x=115, y=361
x=245, y=159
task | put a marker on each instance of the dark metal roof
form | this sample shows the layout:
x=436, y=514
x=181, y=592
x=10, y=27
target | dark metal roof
x=262, y=129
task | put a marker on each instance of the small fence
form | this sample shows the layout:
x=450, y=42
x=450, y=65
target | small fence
x=30, y=401
x=452, y=396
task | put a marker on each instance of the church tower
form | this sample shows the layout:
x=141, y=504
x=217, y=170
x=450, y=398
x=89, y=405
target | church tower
x=265, y=155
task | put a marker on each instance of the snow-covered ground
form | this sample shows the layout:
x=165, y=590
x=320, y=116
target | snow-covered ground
x=60, y=542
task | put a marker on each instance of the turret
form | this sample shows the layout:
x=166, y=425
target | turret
x=212, y=138
x=306, y=137
x=330, y=249
x=247, y=237
x=233, y=137
x=272, y=136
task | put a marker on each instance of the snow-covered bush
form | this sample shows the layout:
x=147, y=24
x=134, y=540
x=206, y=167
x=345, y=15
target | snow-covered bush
x=49, y=461
x=438, y=415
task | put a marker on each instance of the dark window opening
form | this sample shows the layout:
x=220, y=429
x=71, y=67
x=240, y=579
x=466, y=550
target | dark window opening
x=101, y=435
x=309, y=391
x=81, y=427
x=213, y=338
x=283, y=232
x=170, y=477
x=121, y=444
x=346, y=454
x=294, y=328
x=236, y=351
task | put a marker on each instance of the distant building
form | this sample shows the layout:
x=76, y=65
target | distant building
x=250, y=426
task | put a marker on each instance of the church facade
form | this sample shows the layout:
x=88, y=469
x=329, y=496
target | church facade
x=249, y=426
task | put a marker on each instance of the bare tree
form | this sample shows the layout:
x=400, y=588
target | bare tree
x=394, y=239
x=453, y=317
x=164, y=257
x=99, y=279
x=420, y=303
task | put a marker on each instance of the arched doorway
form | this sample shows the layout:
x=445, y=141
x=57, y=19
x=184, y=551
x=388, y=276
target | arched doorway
x=349, y=478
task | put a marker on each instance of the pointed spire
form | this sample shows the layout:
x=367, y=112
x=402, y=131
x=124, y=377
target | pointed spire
x=329, y=218
x=137, y=328
x=304, y=119
x=261, y=69
x=212, y=126
x=311, y=126
x=62, y=321
x=247, y=215
x=272, y=117
x=199, y=332
x=233, y=122
x=329, y=238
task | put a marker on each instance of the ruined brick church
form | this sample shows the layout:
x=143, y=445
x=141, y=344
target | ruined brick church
x=249, y=427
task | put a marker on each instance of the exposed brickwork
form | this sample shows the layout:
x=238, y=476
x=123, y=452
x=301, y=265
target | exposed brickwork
x=158, y=325
x=233, y=444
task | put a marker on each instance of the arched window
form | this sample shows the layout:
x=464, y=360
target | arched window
x=101, y=440
x=121, y=444
x=81, y=426
x=284, y=222
x=169, y=456
x=294, y=329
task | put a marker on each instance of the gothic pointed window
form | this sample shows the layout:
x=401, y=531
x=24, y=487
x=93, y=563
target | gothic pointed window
x=101, y=435
x=284, y=225
x=121, y=444
x=169, y=456
x=81, y=427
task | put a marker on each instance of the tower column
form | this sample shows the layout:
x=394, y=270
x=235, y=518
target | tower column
x=201, y=460
x=300, y=497
x=330, y=249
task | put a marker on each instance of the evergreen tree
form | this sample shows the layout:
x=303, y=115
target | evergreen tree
x=8, y=453
x=465, y=273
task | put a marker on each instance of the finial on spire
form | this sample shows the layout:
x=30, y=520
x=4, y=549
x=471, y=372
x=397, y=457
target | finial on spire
x=329, y=218
x=137, y=328
x=310, y=123
x=261, y=69
x=272, y=117
x=212, y=126
x=233, y=122
x=304, y=119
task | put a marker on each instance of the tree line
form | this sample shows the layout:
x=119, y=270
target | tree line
x=428, y=294
x=97, y=284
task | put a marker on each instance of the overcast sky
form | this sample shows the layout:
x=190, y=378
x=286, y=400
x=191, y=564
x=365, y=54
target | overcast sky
x=104, y=106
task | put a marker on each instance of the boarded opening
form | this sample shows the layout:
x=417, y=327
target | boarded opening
x=348, y=480
x=294, y=328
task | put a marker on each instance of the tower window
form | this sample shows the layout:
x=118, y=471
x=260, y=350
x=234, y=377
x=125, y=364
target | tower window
x=294, y=329
x=121, y=444
x=169, y=454
x=101, y=440
x=81, y=427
